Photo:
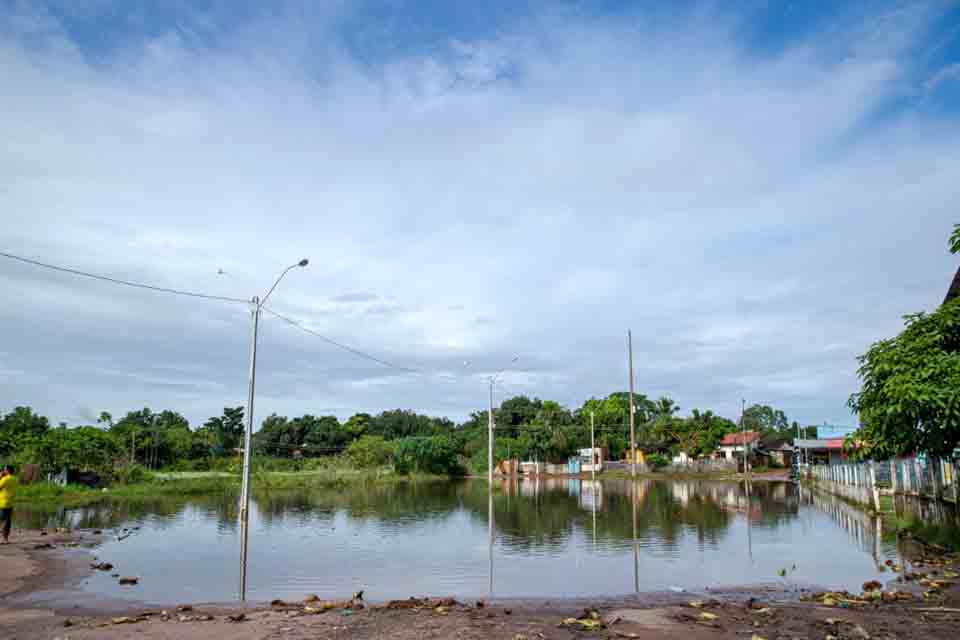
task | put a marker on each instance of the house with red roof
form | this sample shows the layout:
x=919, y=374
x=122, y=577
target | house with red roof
x=733, y=444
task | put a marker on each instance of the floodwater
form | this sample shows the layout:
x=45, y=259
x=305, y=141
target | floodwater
x=550, y=538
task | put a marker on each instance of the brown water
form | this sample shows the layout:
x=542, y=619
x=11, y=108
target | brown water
x=550, y=538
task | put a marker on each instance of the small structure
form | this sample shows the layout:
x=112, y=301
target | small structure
x=778, y=450
x=590, y=460
x=820, y=450
x=733, y=444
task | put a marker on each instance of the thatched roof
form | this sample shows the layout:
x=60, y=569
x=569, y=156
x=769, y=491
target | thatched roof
x=954, y=290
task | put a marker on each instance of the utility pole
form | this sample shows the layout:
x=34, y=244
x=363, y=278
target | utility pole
x=490, y=435
x=248, y=433
x=593, y=453
x=743, y=433
x=257, y=305
x=633, y=410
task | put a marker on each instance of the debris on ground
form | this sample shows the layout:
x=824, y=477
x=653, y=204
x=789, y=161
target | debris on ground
x=129, y=580
x=240, y=617
x=101, y=566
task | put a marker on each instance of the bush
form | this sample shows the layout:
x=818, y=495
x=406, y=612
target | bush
x=371, y=451
x=435, y=454
x=656, y=461
x=132, y=474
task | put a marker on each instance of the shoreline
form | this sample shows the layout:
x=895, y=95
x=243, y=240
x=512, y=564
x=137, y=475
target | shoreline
x=32, y=580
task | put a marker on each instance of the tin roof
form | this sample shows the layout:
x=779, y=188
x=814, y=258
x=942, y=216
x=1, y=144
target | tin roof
x=820, y=443
x=737, y=439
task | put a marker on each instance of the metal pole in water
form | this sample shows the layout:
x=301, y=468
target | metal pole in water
x=247, y=437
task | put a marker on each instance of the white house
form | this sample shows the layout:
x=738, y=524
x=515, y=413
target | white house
x=732, y=444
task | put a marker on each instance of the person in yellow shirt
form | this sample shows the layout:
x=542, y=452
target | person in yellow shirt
x=8, y=489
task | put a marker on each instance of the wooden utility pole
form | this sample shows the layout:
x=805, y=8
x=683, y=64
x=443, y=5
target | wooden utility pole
x=633, y=410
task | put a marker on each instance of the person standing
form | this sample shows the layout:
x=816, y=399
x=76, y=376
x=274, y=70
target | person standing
x=8, y=490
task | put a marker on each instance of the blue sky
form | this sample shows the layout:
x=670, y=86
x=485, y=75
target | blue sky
x=758, y=193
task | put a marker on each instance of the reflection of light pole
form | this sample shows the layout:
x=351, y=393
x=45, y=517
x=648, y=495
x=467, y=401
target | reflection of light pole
x=248, y=434
x=490, y=544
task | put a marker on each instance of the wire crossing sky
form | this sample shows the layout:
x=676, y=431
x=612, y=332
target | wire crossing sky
x=758, y=191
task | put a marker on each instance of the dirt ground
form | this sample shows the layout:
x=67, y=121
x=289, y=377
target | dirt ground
x=921, y=604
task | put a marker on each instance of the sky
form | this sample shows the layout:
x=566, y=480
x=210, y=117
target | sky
x=757, y=190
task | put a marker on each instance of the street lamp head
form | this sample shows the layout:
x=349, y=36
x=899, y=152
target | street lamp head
x=303, y=263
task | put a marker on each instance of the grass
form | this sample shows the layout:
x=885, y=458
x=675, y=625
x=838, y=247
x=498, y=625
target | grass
x=204, y=483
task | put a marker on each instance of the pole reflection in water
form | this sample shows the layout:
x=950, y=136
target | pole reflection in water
x=490, y=544
x=749, y=524
x=593, y=488
x=636, y=547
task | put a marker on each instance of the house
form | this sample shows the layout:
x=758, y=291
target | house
x=590, y=459
x=733, y=444
x=820, y=450
x=777, y=449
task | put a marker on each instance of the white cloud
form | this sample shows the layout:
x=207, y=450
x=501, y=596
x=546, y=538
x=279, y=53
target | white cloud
x=537, y=192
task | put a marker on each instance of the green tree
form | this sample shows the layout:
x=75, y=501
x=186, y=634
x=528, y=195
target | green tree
x=909, y=400
x=370, y=452
x=20, y=425
x=357, y=424
x=765, y=419
x=432, y=454
x=227, y=430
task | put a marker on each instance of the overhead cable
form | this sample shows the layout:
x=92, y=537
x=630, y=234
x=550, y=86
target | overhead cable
x=128, y=283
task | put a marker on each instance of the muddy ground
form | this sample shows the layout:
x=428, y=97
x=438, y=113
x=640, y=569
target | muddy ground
x=924, y=603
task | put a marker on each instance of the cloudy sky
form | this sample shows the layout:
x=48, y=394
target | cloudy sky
x=758, y=195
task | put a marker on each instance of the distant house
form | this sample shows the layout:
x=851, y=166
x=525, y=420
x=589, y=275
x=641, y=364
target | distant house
x=778, y=449
x=733, y=444
x=820, y=450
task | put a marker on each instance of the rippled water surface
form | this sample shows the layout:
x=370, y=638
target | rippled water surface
x=550, y=538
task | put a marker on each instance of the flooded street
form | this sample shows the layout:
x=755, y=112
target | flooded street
x=555, y=538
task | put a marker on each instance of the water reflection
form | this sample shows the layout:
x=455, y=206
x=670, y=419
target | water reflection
x=545, y=537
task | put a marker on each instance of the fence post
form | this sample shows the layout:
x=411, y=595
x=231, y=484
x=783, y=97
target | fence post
x=893, y=475
x=874, y=488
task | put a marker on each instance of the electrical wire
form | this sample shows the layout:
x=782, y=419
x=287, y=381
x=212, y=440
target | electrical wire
x=340, y=345
x=128, y=283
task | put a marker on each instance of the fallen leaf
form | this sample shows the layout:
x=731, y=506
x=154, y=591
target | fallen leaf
x=706, y=615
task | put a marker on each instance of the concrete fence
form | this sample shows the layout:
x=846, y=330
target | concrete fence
x=932, y=478
x=855, y=482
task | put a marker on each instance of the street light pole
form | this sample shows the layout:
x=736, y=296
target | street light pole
x=490, y=436
x=247, y=438
x=593, y=453
x=257, y=305
x=633, y=411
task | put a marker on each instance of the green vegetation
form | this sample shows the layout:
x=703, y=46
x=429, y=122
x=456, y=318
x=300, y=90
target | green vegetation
x=143, y=442
x=908, y=401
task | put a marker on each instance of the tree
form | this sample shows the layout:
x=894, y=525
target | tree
x=370, y=452
x=19, y=425
x=434, y=454
x=357, y=424
x=227, y=430
x=765, y=419
x=909, y=400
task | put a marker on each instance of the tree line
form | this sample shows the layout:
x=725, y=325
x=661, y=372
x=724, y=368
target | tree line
x=527, y=428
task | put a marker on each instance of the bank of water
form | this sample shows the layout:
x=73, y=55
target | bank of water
x=553, y=538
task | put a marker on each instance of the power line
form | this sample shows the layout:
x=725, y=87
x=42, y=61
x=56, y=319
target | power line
x=340, y=345
x=128, y=283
